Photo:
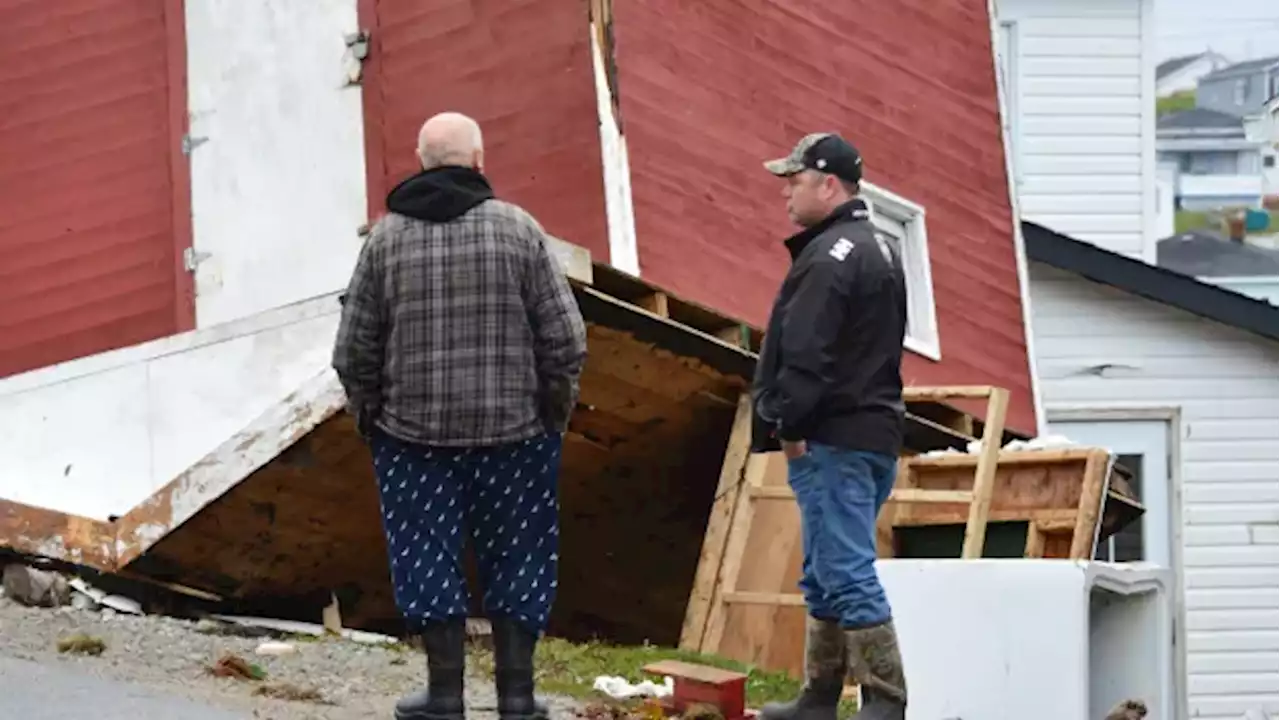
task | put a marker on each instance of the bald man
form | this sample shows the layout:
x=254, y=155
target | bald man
x=460, y=347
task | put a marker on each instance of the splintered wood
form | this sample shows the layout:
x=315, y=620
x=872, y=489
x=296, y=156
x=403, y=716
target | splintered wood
x=752, y=611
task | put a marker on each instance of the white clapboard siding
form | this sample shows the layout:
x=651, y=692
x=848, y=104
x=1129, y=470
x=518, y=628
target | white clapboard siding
x=1224, y=382
x=1082, y=140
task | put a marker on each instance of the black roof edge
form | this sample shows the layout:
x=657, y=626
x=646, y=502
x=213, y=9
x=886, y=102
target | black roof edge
x=1153, y=283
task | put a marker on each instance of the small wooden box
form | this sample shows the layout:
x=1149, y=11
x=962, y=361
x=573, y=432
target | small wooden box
x=725, y=689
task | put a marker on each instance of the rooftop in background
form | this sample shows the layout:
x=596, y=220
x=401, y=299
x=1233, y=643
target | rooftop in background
x=1154, y=282
x=1241, y=68
x=1199, y=118
x=1202, y=253
x=1173, y=65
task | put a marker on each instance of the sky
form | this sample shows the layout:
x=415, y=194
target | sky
x=1239, y=29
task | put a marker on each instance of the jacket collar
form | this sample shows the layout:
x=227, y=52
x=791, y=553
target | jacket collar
x=855, y=209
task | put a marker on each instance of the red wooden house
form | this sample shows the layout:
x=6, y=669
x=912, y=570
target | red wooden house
x=186, y=192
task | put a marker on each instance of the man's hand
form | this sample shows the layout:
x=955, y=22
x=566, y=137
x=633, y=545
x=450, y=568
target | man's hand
x=794, y=450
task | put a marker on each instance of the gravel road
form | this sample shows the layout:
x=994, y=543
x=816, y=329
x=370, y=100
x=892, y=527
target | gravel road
x=161, y=660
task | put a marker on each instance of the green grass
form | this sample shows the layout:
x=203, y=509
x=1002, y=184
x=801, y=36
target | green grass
x=1176, y=102
x=1184, y=220
x=569, y=669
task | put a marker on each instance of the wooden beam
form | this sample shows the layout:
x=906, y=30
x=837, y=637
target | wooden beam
x=718, y=526
x=762, y=598
x=984, y=476
x=1035, y=541
x=735, y=548
x=574, y=259
x=656, y=303
x=1092, y=495
x=953, y=392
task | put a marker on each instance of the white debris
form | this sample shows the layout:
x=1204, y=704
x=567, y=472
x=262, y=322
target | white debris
x=275, y=649
x=619, y=689
x=1044, y=442
x=118, y=603
x=301, y=628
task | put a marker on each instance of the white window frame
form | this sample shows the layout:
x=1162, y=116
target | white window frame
x=1007, y=53
x=904, y=220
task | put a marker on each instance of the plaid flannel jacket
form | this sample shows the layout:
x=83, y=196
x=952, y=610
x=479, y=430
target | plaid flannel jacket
x=460, y=333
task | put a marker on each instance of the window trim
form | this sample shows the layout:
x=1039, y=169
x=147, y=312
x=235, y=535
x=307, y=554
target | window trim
x=922, y=312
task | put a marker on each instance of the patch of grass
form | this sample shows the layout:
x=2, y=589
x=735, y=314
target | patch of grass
x=81, y=644
x=291, y=692
x=569, y=669
x=1177, y=102
x=1184, y=220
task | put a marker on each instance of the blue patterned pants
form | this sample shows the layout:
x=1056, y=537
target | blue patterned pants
x=504, y=495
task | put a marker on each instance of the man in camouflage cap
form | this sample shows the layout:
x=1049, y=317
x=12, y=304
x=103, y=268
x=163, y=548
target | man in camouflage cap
x=828, y=393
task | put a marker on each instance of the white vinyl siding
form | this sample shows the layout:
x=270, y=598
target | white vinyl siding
x=1075, y=78
x=1097, y=347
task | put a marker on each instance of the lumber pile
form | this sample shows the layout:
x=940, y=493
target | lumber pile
x=1060, y=500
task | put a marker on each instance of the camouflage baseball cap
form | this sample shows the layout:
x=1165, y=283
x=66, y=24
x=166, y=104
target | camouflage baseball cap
x=825, y=152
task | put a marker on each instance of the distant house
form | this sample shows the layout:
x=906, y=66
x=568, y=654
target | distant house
x=1176, y=375
x=1264, y=127
x=1239, y=89
x=1181, y=74
x=1215, y=164
x=1212, y=258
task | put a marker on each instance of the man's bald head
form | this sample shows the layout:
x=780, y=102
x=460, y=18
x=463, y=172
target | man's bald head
x=451, y=138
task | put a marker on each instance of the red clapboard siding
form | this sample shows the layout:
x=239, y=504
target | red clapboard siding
x=93, y=187
x=523, y=70
x=709, y=89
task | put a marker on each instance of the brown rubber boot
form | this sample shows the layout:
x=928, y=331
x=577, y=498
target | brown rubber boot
x=875, y=663
x=825, y=668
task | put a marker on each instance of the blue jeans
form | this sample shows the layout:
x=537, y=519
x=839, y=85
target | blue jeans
x=840, y=493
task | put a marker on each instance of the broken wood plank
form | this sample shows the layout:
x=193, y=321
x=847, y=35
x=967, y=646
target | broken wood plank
x=718, y=526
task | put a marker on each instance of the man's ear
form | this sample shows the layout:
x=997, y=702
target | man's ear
x=477, y=161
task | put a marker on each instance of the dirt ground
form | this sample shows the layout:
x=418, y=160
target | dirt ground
x=352, y=680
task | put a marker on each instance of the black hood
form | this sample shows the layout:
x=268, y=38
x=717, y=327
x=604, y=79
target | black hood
x=440, y=194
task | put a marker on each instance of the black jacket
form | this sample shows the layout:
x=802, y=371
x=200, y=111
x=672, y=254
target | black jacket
x=830, y=367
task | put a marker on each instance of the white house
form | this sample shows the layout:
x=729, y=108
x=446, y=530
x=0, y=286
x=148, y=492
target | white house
x=1079, y=95
x=1176, y=375
x=1264, y=127
x=1181, y=74
x=1217, y=163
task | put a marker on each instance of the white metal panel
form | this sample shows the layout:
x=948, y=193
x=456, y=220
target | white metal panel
x=278, y=185
x=1100, y=348
x=115, y=427
x=1078, y=68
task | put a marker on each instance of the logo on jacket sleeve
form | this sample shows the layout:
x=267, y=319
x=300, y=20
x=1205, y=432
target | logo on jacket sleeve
x=840, y=250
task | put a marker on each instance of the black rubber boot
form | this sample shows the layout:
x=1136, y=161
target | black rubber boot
x=513, y=647
x=875, y=662
x=825, y=665
x=442, y=699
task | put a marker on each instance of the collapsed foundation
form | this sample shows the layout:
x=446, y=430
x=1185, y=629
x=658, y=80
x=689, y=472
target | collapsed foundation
x=284, y=518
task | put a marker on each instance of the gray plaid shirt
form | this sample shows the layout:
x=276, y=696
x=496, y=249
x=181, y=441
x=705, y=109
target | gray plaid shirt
x=460, y=333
